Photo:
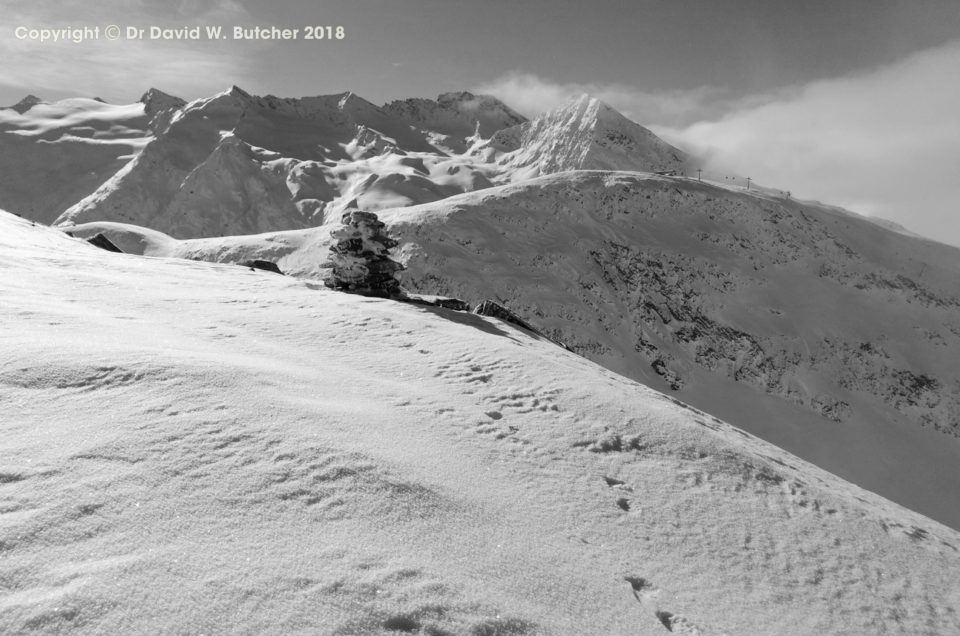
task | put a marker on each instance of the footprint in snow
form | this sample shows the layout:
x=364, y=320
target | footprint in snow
x=616, y=483
x=646, y=592
x=678, y=624
x=643, y=590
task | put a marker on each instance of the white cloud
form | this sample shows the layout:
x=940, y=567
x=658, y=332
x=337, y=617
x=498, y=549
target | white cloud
x=531, y=95
x=122, y=69
x=884, y=143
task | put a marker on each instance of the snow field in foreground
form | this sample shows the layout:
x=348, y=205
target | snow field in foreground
x=203, y=448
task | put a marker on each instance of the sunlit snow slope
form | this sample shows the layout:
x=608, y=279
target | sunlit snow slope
x=52, y=155
x=200, y=448
x=583, y=134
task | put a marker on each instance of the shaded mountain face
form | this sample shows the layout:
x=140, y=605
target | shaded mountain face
x=456, y=116
x=832, y=336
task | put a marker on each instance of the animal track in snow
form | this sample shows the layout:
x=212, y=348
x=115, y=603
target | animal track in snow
x=616, y=483
x=677, y=624
x=643, y=590
x=474, y=372
x=499, y=430
x=470, y=369
x=646, y=593
x=529, y=401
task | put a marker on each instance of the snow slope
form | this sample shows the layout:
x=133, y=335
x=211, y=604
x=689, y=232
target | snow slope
x=816, y=330
x=192, y=447
x=52, y=155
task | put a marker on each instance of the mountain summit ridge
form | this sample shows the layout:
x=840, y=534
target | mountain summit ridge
x=458, y=113
x=345, y=151
x=585, y=133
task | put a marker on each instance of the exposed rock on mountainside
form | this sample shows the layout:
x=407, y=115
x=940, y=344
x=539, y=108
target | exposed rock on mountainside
x=104, y=243
x=160, y=108
x=678, y=270
x=456, y=116
x=26, y=104
x=496, y=310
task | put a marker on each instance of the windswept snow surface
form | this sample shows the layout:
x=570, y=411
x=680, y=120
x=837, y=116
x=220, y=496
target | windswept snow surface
x=52, y=155
x=200, y=448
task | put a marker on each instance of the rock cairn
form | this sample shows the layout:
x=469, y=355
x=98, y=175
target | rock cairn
x=360, y=257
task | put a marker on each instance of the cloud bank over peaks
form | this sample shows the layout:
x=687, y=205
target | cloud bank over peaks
x=883, y=143
x=531, y=95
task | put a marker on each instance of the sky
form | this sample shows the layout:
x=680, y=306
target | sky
x=852, y=102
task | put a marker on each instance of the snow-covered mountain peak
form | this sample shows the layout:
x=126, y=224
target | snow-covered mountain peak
x=468, y=102
x=236, y=91
x=453, y=97
x=584, y=134
x=350, y=101
x=156, y=98
x=160, y=107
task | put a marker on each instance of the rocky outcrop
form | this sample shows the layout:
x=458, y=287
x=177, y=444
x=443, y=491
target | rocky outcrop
x=267, y=266
x=458, y=114
x=496, y=310
x=26, y=104
x=101, y=241
x=452, y=303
